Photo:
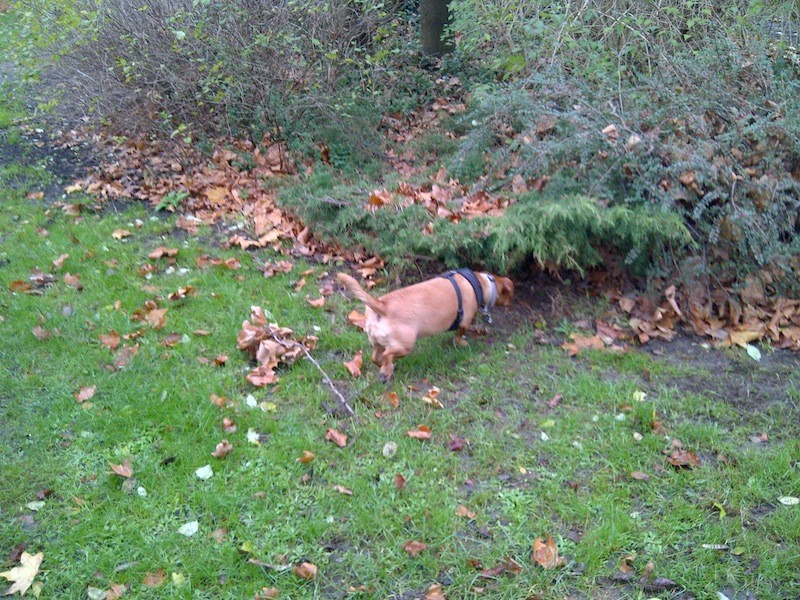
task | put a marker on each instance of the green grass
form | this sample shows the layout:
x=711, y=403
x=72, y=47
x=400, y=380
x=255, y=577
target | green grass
x=157, y=413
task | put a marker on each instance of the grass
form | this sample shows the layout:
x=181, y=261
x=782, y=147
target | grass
x=575, y=484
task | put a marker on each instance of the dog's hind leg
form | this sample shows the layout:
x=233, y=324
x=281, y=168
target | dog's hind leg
x=377, y=354
x=387, y=361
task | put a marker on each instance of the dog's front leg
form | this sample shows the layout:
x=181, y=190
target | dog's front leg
x=459, y=339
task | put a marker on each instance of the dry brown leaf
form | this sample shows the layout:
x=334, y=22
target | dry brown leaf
x=123, y=470
x=116, y=591
x=110, y=340
x=545, y=554
x=463, y=511
x=640, y=476
x=157, y=318
x=422, y=432
x=306, y=457
x=580, y=343
x=267, y=593
x=219, y=400
x=435, y=593
x=228, y=425
x=336, y=437
x=399, y=481
x=60, y=261
x=684, y=458
x=316, y=302
x=343, y=490
x=393, y=398
x=156, y=579
x=162, y=251
x=413, y=547
x=305, y=570
x=222, y=450
x=119, y=234
x=85, y=393
x=354, y=366
x=432, y=397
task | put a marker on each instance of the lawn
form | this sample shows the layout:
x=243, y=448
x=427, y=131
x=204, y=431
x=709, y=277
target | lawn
x=529, y=443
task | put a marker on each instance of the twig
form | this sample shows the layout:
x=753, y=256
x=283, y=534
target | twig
x=325, y=377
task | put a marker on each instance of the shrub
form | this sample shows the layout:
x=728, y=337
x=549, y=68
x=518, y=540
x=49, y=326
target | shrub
x=708, y=133
x=308, y=71
x=571, y=232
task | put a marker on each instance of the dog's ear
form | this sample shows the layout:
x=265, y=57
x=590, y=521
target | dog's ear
x=505, y=290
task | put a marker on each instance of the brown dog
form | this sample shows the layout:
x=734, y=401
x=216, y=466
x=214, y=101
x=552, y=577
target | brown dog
x=398, y=319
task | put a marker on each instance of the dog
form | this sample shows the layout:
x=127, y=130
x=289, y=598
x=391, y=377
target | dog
x=396, y=320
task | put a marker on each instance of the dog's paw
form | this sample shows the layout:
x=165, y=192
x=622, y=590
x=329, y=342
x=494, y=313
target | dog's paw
x=460, y=342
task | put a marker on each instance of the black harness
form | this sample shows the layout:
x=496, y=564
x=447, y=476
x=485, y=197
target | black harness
x=470, y=276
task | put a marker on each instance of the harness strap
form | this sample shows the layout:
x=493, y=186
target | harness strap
x=470, y=276
x=460, y=315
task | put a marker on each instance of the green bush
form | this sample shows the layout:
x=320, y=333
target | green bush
x=569, y=232
x=708, y=134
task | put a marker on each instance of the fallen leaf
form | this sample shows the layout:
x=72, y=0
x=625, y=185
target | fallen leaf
x=20, y=286
x=399, y=481
x=306, y=457
x=463, y=511
x=157, y=318
x=228, y=425
x=305, y=570
x=422, y=432
x=123, y=470
x=555, y=401
x=162, y=251
x=22, y=575
x=110, y=340
x=219, y=400
x=119, y=234
x=336, y=437
x=456, y=443
x=354, y=366
x=189, y=529
x=156, y=579
x=316, y=302
x=789, y=500
x=222, y=450
x=267, y=594
x=580, y=343
x=393, y=398
x=545, y=554
x=431, y=397
x=115, y=591
x=85, y=393
x=684, y=458
x=60, y=261
x=640, y=476
x=343, y=490
x=435, y=593
x=414, y=547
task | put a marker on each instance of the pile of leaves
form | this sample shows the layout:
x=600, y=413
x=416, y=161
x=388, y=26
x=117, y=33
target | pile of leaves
x=270, y=346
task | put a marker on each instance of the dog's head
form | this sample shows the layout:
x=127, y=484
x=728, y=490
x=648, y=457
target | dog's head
x=505, y=290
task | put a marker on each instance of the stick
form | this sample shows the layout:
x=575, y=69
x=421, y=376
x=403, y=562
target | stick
x=325, y=377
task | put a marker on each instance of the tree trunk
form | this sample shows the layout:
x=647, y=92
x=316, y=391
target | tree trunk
x=433, y=16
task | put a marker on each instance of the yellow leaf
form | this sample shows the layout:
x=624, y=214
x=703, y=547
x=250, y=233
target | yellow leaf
x=22, y=575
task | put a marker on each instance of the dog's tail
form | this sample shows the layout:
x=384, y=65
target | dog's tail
x=359, y=292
